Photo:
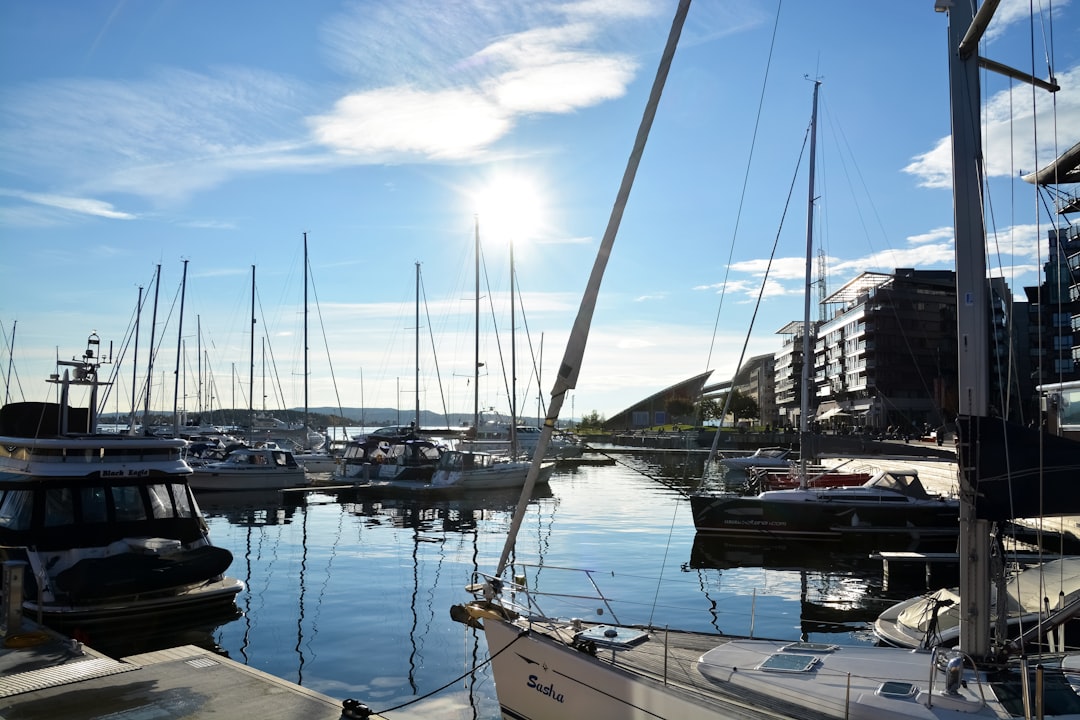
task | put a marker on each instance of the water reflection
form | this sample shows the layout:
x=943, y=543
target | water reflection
x=842, y=584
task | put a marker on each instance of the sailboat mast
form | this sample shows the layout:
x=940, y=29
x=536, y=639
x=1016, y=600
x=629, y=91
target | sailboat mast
x=807, y=355
x=417, y=340
x=971, y=313
x=513, y=363
x=570, y=367
x=150, y=362
x=134, y=364
x=179, y=349
x=251, y=365
x=305, y=341
x=476, y=335
x=11, y=359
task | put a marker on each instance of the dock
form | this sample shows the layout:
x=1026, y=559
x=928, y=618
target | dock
x=46, y=675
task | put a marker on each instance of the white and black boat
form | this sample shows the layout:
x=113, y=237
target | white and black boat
x=106, y=523
x=890, y=502
x=473, y=470
x=379, y=458
x=764, y=457
x=263, y=467
x=546, y=666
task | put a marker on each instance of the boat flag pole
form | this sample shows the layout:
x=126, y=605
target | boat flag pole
x=566, y=378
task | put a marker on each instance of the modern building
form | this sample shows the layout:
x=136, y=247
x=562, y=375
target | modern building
x=787, y=371
x=654, y=410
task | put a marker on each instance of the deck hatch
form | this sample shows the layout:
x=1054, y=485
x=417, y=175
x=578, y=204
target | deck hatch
x=610, y=636
x=789, y=663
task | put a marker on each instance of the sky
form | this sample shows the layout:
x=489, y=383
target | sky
x=138, y=135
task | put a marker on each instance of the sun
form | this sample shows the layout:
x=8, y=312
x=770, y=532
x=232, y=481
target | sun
x=510, y=207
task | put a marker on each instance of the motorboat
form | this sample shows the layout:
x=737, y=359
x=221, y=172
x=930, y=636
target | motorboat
x=382, y=458
x=794, y=476
x=103, y=526
x=764, y=457
x=316, y=461
x=496, y=439
x=264, y=467
x=472, y=470
x=891, y=501
x=1043, y=596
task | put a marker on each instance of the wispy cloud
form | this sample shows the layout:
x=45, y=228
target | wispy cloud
x=74, y=205
x=1008, y=133
x=422, y=81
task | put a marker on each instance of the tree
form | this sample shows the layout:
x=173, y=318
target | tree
x=708, y=409
x=678, y=406
x=741, y=406
x=592, y=421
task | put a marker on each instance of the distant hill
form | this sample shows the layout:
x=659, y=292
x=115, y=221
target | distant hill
x=323, y=416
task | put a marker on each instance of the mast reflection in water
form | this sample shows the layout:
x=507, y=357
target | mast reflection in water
x=348, y=594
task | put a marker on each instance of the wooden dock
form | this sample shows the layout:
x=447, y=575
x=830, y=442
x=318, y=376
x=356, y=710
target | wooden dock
x=45, y=675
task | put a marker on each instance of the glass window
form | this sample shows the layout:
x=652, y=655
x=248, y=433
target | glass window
x=59, y=507
x=180, y=500
x=129, y=503
x=160, y=502
x=94, y=504
x=16, y=510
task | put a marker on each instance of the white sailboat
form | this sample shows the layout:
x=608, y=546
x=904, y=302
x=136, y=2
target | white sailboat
x=472, y=465
x=546, y=667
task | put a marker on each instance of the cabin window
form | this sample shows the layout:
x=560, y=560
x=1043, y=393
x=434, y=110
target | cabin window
x=59, y=507
x=129, y=503
x=16, y=510
x=160, y=502
x=94, y=504
x=181, y=501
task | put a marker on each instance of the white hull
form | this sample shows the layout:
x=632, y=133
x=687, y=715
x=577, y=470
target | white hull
x=541, y=677
x=209, y=478
x=497, y=477
x=317, y=463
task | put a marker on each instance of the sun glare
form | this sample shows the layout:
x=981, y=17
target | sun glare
x=510, y=208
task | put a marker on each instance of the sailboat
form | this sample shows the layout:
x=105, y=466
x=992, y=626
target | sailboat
x=468, y=467
x=892, y=502
x=548, y=667
x=262, y=465
x=399, y=460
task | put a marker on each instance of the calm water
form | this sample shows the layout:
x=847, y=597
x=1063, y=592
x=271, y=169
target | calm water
x=350, y=595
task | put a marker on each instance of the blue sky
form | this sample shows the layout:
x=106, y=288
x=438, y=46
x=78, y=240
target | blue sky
x=134, y=134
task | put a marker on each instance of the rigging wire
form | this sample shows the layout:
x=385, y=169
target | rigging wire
x=746, y=183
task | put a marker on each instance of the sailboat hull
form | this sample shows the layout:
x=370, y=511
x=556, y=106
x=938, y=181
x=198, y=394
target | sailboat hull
x=546, y=670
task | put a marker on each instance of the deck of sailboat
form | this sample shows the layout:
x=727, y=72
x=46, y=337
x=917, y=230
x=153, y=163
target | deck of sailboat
x=670, y=658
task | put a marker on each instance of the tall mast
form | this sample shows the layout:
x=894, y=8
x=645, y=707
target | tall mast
x=135, y=365
x=150, y=362
x=807, y=357
x=416, y=428
x=971, y=312
x=11, y=361
x=513, y=362
x=179, y=350
x=570, y=367
x=476, y=335
x=305, y=341
x=251, y=365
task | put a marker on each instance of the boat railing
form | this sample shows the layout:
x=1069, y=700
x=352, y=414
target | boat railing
x=518, y=595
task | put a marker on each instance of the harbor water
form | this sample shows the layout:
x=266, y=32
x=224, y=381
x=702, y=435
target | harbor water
x=350, y=595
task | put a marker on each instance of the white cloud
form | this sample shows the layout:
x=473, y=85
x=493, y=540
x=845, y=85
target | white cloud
x=1009, y=132
x=74, y=205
